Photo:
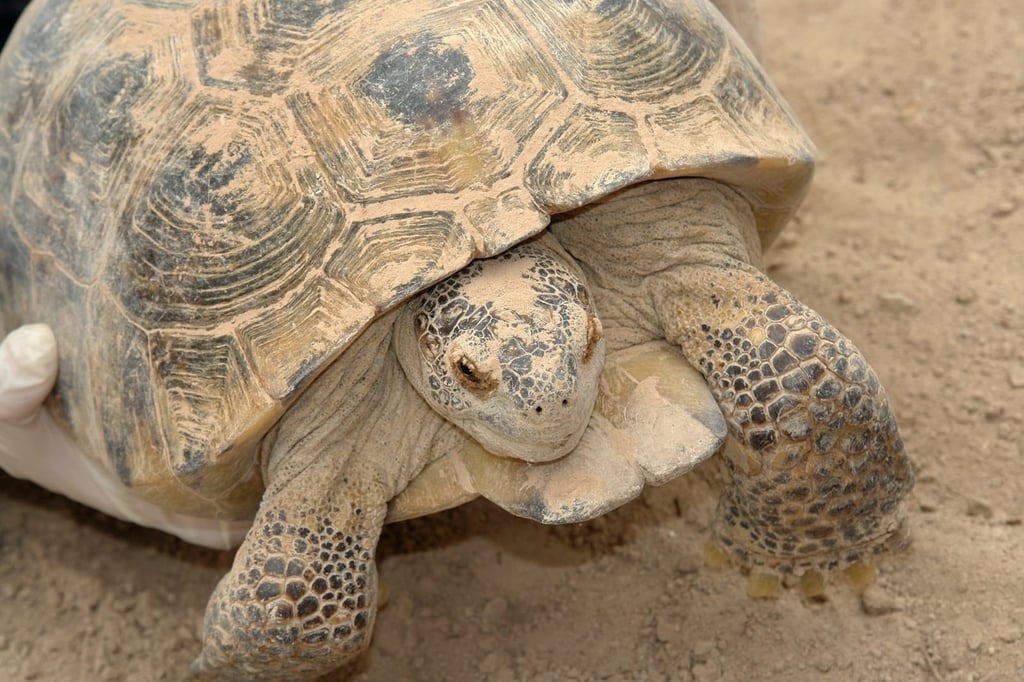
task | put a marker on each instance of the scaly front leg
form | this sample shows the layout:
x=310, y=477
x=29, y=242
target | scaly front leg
x=821, y=470
x=817, y=467
x=301, y=597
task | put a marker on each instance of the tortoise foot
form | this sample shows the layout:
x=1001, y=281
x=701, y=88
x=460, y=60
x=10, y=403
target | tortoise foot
x=816, y=466
x=740, y=543
x=813, y=584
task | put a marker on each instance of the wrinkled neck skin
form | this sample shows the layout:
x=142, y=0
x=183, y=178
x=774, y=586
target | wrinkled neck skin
x=646, y=232
x=302, y=588
x=360, y=413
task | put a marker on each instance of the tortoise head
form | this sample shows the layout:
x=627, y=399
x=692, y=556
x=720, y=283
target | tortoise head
x=509, y=349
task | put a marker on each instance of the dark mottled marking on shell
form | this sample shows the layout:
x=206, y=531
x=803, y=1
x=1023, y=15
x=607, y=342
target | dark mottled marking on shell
x=138, y=401
x=96, y=119
x=745, y=93
x=208, y=237
x=273, y=39
x=26, y=71
x=79, y=150
x=425, y=82
x=303, y=14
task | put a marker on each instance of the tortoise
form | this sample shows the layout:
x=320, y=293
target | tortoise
x=339, y=263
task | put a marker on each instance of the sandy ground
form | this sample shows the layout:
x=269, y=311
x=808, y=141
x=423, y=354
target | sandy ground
x=911, y=242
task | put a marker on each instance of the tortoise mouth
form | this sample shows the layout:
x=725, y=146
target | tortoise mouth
x=537, y=448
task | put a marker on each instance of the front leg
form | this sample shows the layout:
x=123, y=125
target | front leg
x=821, y=470
x=817, y=467
x=301, y=596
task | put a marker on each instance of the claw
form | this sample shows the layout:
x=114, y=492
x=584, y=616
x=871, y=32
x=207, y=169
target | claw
x=763, y=585
x=812, y=585
x=861, y=574
x=714, y=557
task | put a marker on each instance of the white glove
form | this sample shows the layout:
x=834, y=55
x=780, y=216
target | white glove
x=34, y=447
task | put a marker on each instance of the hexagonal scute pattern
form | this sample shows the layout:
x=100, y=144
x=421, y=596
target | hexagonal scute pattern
x=231, y=177
x=637, y=51
x=423, y=106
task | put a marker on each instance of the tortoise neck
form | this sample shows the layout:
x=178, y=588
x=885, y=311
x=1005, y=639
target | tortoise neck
x=635, y=237
x=360, y=413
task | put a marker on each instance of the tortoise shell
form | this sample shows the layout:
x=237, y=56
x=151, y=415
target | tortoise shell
x=211, y=199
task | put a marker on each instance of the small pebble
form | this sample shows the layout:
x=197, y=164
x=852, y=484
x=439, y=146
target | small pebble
x=410, y=638
x=487, y=643
x=926, y=503
x=1004, y=208
x=1016, y=377
x=123, y=605
x=876, y=601
x=504, y=675
x=706, y=672
x=786, y=240
x=689, y=564
x=979, y=509
x=493, y=662
x=965, y=296
x=994, y=414
x=897, y=303
x=664, y=630
x=495, y=609
x=702, y=649
x=455, y=629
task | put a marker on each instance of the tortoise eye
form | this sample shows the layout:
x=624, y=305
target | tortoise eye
x=471, y=377
x=465, y=369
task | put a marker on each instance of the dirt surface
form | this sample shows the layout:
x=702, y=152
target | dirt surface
x=912, y=242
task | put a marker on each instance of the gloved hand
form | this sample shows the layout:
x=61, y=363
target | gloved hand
x=34, y=447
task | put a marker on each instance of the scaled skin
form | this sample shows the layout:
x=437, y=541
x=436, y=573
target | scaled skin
x=301, y=594
x=519, y=373
x=817, y=473
x=818, y=470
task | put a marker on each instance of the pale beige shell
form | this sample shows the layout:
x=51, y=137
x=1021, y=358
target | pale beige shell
x=211, y=199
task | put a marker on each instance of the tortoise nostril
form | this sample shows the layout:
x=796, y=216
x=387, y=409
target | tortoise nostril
x=565, y=402
x=539, y=409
